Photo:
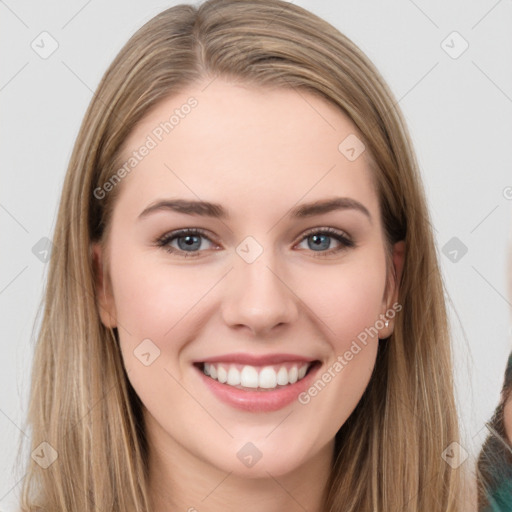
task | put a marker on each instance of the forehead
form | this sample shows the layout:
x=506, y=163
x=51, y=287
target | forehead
x=249, y=147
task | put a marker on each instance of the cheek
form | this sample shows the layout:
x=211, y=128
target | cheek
x=157, y=301
x=151, y=299
x=348, y=298
x=349, y=313
x=160, y=303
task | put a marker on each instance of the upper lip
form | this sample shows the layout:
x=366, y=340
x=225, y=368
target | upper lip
x=257, y=360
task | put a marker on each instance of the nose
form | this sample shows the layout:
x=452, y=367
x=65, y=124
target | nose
x=258, y=297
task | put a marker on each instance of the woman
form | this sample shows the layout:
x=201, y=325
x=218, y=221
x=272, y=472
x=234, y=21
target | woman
x=250, y=371
x=495, y=460
x=494, y=468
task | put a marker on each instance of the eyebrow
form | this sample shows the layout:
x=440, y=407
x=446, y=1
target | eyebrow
x=215, y=210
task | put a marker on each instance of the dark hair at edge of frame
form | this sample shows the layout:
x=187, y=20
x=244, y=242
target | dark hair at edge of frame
x=494, y=465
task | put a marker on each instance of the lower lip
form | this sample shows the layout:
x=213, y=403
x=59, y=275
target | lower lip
x=259, y=401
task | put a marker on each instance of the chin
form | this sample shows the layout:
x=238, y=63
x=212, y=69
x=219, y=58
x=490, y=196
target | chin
x=258, y=457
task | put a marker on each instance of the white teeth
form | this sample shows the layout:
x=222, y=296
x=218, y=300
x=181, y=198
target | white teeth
x=267, y=377
x=282, y=376
x=222, y=374
x=233, y=377
x=249, y=377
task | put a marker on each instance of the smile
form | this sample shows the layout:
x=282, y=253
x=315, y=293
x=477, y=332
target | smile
x=257, y=383
x=253, y=377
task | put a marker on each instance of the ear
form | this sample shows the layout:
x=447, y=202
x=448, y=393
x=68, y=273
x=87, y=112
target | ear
x=104, y=295
x=391, y=297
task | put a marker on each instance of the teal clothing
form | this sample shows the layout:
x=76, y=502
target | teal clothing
x=495, y=461
x=500, y=500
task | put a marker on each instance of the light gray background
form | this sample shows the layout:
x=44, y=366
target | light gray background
x=459, y=112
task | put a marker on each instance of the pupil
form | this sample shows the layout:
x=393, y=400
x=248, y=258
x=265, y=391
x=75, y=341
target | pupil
x=187, y=240
x=318, y=240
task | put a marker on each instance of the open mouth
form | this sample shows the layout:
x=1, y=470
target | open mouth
x=257, y=378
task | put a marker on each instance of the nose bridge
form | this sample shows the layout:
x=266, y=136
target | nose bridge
x=259, y=297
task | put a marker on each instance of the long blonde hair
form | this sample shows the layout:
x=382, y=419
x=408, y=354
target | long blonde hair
x=389, y=452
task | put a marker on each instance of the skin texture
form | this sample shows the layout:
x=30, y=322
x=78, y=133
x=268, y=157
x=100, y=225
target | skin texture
x=507, y=417
x=258, y=153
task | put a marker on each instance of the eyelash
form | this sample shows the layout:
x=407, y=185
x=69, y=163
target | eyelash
x=164, y=240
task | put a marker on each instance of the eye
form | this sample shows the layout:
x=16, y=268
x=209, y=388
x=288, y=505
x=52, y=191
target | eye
x=186, y=238
x=189, y=241
x=320, y=240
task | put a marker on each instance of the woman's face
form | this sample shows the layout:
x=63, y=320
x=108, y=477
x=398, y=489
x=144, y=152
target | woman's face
x=262, y=294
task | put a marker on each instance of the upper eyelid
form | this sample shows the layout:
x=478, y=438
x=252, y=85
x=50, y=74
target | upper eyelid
x=330, y=231
x=327, y=229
